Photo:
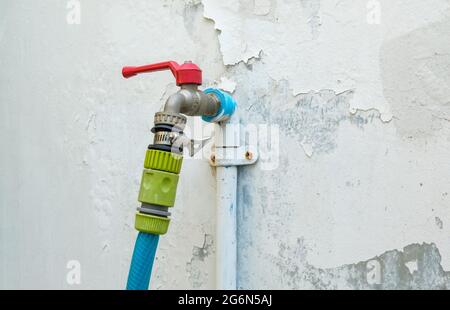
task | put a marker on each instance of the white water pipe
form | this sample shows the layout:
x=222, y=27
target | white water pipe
x=226, y=143
x=230, y=152
x=226, y=244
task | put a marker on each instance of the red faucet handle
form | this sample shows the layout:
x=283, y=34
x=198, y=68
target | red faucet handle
x=187, y=73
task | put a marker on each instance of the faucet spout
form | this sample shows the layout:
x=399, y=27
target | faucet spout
x=174, y=103
x=191, y=101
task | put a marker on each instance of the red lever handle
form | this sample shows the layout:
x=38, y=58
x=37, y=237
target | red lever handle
x=187, y=73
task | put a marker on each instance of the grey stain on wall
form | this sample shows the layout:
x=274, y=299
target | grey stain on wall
x=310, y=119
x=391, y=270
x=196, y=266
x=439, y=223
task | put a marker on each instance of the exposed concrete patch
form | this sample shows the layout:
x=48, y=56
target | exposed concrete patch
x=416, y=79
x=316, y=118
x=412, y=266
x=372, y=113
x=313, y=118
x=196, y=266
x=418, y=266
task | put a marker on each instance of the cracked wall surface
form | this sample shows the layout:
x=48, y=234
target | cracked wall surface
x=352, y=189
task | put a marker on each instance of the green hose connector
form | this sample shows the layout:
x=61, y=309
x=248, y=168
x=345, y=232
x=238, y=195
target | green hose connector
x=152, y=224
x=163, y=161
x=158, y=189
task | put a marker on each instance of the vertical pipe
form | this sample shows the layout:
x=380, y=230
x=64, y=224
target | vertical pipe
x=226, y=248
x=227, y=138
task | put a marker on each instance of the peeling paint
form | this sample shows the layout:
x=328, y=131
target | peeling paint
x=230, y=11
x=416, y=75
x=227, y=85
x=362, y=165
x=417, y=266
x=313, y=118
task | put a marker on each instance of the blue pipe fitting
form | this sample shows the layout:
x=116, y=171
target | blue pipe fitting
x=227, y=106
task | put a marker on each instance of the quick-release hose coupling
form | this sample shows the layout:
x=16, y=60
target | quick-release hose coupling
x=158, y=191
x=164, y=158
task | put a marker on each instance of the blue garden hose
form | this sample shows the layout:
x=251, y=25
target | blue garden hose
x=142, y=262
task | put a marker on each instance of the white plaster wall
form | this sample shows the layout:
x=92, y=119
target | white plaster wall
x=360, y=173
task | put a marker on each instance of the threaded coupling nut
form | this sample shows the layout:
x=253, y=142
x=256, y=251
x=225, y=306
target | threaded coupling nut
x=152, y=224
x=163, y=161
x=171, y=119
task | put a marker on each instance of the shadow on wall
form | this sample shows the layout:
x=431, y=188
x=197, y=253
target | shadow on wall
x=416, y=79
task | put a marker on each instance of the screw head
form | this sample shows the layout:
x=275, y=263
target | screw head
x=213, y=159
x=249, y=155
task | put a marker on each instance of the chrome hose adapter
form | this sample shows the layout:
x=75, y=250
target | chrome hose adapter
x=165, y=156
